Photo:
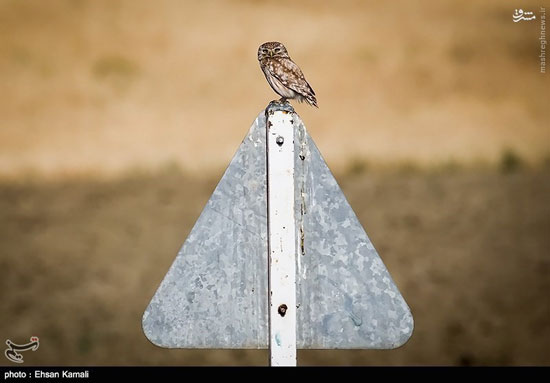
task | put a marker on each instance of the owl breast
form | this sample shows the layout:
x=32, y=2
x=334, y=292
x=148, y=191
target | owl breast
x=278, y=86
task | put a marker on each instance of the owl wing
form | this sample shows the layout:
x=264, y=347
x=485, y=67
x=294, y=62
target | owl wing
x=291, y=76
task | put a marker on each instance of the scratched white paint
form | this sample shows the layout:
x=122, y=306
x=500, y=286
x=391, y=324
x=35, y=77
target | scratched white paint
x=282, y=240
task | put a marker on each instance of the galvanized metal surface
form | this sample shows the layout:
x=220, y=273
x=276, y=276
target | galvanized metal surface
x=215, y=294
x=281, y=227
x=346, y=297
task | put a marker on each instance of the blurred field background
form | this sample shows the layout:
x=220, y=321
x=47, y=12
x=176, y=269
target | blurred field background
x=118, y=118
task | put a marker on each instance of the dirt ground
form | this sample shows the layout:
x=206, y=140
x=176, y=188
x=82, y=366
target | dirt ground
x=468, y=250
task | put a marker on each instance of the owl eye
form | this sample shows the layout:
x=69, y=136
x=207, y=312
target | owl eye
x=264, y=51
x=277, y=50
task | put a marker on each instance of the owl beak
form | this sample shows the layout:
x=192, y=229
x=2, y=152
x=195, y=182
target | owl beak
x=270, y=53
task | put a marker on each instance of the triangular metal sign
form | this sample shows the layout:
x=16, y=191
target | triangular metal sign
x=215, y=294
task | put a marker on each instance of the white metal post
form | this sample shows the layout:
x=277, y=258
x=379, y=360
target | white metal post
x=281, y=238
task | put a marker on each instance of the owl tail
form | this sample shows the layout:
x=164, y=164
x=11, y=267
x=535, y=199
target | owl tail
x=311, y=100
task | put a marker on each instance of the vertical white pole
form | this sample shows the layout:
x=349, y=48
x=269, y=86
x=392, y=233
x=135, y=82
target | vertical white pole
x=281, y=238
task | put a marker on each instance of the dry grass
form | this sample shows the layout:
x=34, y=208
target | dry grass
x=96, y=87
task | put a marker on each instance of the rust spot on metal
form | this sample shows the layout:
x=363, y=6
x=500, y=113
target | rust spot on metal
x=282, y=310
x=302, y=246
x=303, y=204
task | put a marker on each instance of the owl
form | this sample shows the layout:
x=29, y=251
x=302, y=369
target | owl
x=284, y=76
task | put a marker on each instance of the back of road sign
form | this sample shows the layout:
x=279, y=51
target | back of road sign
x=215, y=294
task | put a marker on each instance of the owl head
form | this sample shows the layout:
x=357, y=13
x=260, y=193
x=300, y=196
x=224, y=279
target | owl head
x=272, y=49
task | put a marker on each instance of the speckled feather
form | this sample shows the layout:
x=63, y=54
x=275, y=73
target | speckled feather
x=283, y=75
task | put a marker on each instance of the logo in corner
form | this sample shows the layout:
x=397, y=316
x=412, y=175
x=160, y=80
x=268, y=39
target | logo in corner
x=522, y=15
x=12, y=351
